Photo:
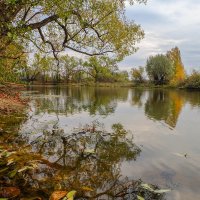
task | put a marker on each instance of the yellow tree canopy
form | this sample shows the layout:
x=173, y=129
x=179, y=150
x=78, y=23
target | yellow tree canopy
x=179, y=72
x=89, y=27
x=11, y=60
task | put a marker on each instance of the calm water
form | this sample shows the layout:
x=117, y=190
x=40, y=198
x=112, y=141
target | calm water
x=165, y=125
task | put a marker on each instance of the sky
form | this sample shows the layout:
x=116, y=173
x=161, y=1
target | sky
x=166, y=23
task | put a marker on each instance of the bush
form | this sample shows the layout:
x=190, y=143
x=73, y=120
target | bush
x=138, y=75
x=192, y=81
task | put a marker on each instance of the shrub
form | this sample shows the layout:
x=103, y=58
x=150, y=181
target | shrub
x=192, y=81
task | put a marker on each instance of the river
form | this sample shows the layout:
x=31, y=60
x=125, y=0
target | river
x=162, y=125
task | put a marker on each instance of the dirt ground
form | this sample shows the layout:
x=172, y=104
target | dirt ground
x=11, y=102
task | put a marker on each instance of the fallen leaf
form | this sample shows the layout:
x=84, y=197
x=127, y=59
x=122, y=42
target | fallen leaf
x=87, y=188
x=12, y=173
x=140, y=198
x=9, y=192
x=57, y=195
x=71, y=194
x=162, y=191
x=89, y=151
x=147, y=187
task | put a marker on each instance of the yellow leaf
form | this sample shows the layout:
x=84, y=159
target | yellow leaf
x=139, y=197
x=71, y=194
x=87, y=188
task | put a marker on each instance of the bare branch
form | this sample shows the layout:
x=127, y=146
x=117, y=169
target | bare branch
x=86, y=53
x=26, y=13
x=42, y=23
x=50, y=43
x=65, y=31
x=37, y=13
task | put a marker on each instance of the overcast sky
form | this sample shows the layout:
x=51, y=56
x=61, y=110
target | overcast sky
x=167, y=23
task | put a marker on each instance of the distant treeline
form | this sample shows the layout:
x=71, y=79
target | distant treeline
x=166, y=70
x=68, y=69
x=160, y=69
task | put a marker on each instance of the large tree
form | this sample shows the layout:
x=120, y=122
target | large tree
x=159, y=69
x=71, y=66
x=33, y=68
x=90, y=27
x=9, y=68
x=100, y=68
x=175, y=56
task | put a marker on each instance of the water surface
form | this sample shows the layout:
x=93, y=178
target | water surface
x=164, y=124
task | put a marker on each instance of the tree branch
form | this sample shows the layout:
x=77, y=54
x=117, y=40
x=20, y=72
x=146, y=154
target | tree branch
x=26, y=13
x=37, y=13
x=52, y=46
x=86, y=53
x=42, y=23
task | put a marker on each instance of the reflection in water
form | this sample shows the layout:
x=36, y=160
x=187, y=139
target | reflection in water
x=67, y=101
x=192, y=97
x=10, y=126
x=88, y=161
x=160, y=105
x=137, y=96
x=90, y=157
x=95, y=162
x=164, y=105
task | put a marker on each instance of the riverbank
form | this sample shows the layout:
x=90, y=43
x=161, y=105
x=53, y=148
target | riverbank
x=146, y=85
x=99, y=84
x=10, y=99
x=10, y=104
x=110, y=85
x=89, y=84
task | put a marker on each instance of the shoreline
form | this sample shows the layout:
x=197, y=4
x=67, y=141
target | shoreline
x=115, y=85
x=11, y=100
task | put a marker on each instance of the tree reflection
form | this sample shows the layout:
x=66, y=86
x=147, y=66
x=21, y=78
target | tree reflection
x=9, y=126
x=164, y=105
x=102, y=101
x=137, y=97
x=191, y=97
x=160, y=105
x=88, y=161
x=90, y=157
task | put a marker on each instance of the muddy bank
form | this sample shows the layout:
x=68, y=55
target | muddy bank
x=10, y=99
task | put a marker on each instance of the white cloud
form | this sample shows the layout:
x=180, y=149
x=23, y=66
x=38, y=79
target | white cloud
x=167, y=23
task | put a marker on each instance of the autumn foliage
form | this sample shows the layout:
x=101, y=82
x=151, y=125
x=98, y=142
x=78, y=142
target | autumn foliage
x=179, y=73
